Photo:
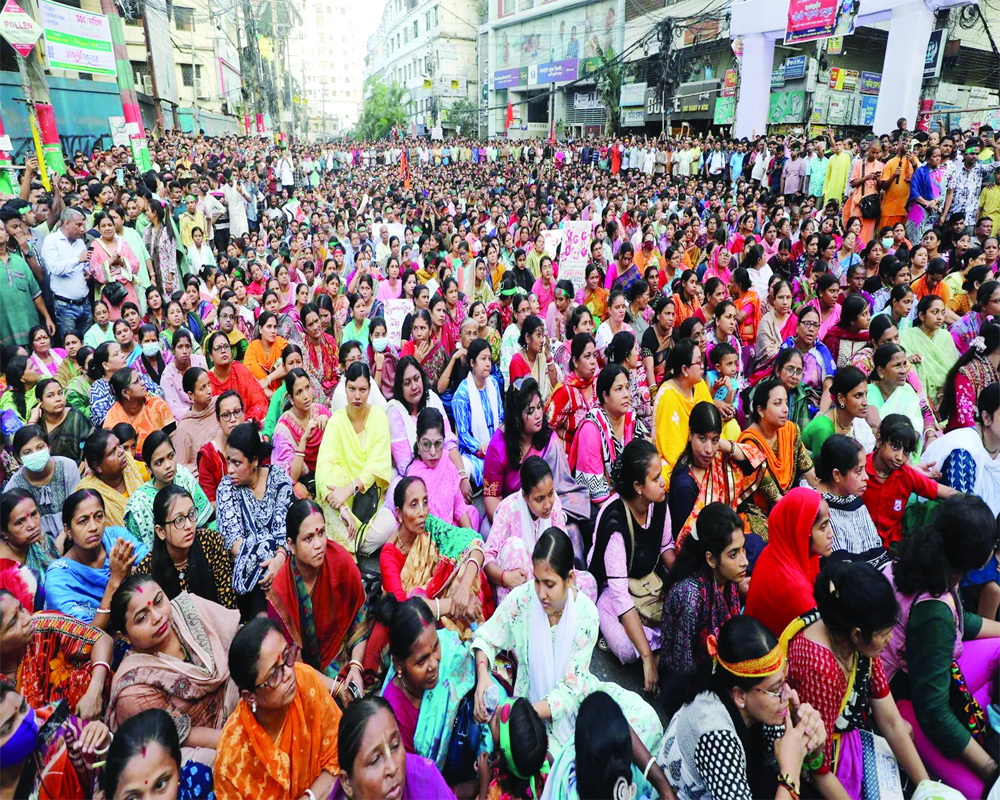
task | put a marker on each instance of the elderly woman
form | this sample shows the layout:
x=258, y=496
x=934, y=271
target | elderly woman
x=106, y=361
x=318, y=600
x=818, y=364
x=250, y=504
x=281, y=741
x=177, y=662
x=228, y=375
x=146, y=413
x=114, y=474
x=160, y=458
x=353, y=467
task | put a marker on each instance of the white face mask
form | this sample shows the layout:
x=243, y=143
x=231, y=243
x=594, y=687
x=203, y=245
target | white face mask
x=379, y=345
x=150, y=349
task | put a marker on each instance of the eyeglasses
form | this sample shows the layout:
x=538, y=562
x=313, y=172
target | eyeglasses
x=228, y=415
x=273, y=679
x=794, y=372
x=778, y=695
x=221, y=348
x=431, y=447
x=181, y=519
x=810, y=325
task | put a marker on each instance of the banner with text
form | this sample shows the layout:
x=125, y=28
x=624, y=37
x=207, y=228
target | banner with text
x=77, y=40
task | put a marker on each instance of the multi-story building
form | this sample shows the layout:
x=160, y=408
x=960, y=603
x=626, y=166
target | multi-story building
x=429, y=48
x=325, y=58
x=532, y=48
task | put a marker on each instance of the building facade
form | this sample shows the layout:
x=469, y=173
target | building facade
x=326, y=61
x=428, y=47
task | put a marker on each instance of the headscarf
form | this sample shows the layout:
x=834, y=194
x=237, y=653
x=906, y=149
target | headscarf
x=782, y=584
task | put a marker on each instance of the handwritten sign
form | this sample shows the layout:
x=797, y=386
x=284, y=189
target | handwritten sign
x=395, y=313
x=552, y=241
x=575, y=252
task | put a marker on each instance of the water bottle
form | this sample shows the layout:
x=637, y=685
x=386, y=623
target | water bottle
x=491, y=699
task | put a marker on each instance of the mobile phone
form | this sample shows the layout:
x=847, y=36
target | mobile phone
x=354, y=690
x=120, y=174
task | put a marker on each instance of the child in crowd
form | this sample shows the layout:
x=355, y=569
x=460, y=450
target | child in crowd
x=724, y=380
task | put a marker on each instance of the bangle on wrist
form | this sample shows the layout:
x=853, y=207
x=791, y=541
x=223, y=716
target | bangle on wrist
x=102, y=611
x=310, y=795
x=502, y=573
x=438, y=605
x=355, y=663
x=104, y=664
x=649, y=764
x=792, y=787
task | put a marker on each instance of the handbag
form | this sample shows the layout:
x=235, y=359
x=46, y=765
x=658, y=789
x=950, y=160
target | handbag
x=463, y=749
x=647, y=591
x=870, y=205
x=114, y=293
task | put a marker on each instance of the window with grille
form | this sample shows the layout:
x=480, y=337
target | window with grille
x=188, y=74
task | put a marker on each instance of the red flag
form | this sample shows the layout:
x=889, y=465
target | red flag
x=509, y=120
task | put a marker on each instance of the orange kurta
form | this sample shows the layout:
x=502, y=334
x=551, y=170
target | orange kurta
x=896, y=196
x=249, y=764
x=260, y=359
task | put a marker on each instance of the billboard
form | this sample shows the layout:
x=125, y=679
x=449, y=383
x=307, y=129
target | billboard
x=573, y=35
x=77, y=40
x=809, y=20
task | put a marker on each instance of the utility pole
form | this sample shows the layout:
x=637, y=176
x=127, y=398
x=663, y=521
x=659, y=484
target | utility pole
x=194, y=80
x=40, y=111
x=152, y=77
x=126, y=84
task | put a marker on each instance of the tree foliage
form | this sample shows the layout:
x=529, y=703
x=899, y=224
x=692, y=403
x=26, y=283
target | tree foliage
x=464, y=114
x=609, y=88
x=382, y=111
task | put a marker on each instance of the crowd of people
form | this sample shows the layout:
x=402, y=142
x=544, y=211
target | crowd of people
x=325, y=473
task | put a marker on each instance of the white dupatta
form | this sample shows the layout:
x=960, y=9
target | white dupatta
x=482, y=431
x=987, y=468
x=529, y=531
x=548, y=659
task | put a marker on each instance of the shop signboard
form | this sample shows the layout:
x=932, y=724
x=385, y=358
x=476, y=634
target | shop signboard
x=77, y=40
x=508, y=78
x=835, y=45
x=795, y=68
x=934, y=55
x=696, y=100
x=786, y=108
x=654, y=105
x=633, y=117
x=844, y=80
x=866, y=110
x=633, y=94
x=557, y=71
x=729, y=83
x=18, y=28
x=871, y=83
x=725, y=111
x=809, y=20
x=587, y=101
x=778, y=78
x=839, y=109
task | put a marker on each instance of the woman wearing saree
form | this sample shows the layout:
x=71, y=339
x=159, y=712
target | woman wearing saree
x=848, y=415
x=890, y=393
x=282, y=738
x=774, y=443
x=65, y=427
x=353, y=466
x=987, y=306
x=593, y=295
x=934, y=345
x=318, y=601
x=177, y=663
x=850, y=333
x=426, y=704
x=972, y=373
x=711, y=470
x=114, y=474
x=200, y=424
x=855, y=614
x=658, y=341
x=428, y=557
x=321, y=352
x=574, y=396
x=82, y=582
x=429, y=351
x=552, y=627
x=106, y=361
x=25, y=550
x=48, y=657
x=299, y=432
x=775, y=326
x=926, y=186
x=161, y=460
x=603, y=433
x=227, y=375
x=941, y=658
x=534, y=358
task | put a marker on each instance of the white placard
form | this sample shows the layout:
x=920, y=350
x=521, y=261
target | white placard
x=395, y=313
x=119, y=132
x=552, y=241
x=576, y=251
x=76, y=39
x=5, y=143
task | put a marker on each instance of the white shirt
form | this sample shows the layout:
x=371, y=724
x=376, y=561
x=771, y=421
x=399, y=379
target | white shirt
x=62, y=261
x=287, y=171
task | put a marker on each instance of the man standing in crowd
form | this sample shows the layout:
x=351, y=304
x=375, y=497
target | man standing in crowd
x=67, y=260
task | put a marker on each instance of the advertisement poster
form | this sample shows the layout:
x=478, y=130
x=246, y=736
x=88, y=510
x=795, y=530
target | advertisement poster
x=18, y=28
x=871, y=82
x=809, y=20
x=786, y=108
x=866, y=111
x=844, y=80
x=77, y=40
x=725, y=111
x=729, y=84
x=839, y=109
x=934, y=55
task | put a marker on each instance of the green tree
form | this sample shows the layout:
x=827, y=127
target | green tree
x=382, y=111
x=609, y=88
x=464, y=114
